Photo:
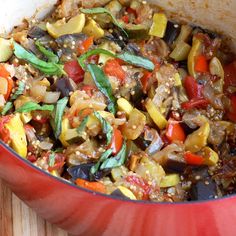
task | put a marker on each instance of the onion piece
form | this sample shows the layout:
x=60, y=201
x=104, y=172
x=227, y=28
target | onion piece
x=51, y=97
x=44, y=145
x=156, y=141
x=38, y=92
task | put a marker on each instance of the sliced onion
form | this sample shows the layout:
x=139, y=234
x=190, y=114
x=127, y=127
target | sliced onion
x=51, y=97
x=38, y=92
x=44, y=145
x=156, y=141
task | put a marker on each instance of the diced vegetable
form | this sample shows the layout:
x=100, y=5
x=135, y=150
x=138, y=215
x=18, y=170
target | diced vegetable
x=116, y=141
x=126, y=192
x=184, y=34
x=216, y=68
x=195, y=103
x=174, y=131
x=65, y=126
x=135, y=125
x=93, y=186
x=124, y=105
x=159, y=24
x=230, y=72
x=193, y=54
x=198, y=139
x=17, y=135
x=6, y=49
x=178, y=81
x=181, y=51
x=118, y=173
x=170, y=181
x=113, y=68
x=74, y=25
x=138, y=32
x=26, y=117
x=193, y=89
x=114, y=7
x=201, y=64
x=211, y=158
x=93, y=29
x=172, y=31
x=156, y=115
x=193, y=159
x=74, y=71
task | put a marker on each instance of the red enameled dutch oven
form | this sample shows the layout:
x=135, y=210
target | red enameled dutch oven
x=82, y=212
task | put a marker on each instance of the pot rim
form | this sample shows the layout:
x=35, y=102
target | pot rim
x=31, y=165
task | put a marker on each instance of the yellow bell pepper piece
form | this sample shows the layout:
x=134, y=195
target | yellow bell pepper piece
x=124, y=105
x=74, y=25
x=198, y=139
x=159, y=25
x=170, y=180
x=211, y=157
x=17, y=135
x=156, y=115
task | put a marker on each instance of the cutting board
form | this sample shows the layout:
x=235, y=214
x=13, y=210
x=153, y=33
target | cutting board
x=16, y=219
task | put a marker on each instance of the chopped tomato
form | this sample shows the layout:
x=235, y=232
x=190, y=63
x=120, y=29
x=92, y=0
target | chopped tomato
x=4, y=132
x=113, y=68
x=193, y=159
x=93, y=186
x=131, y=11
x=74, y=71
x=58, y=162
x=230, y=75
x=125, y=19
x=141, y=183
x=116, y=142
x=175, y=132
x=31, y=158
x=86, y=44
x=195, y=103
x=89, y=89
x=144, y=80
x=201, y=64
x=193, y=89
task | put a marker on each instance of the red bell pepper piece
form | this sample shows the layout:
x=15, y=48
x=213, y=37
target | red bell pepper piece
x=93, y=186
x=201, y=64
x=193, y=89
x=175, y=132
x=131, y=11
x=141, y=183
x=116, y=142
x=195, y=103
x=4, y=132
x=193, y=159
x=74, y=71
x=144, y=80
x=85, y=45
x=89, y=89
x=125, y=18
x=230, y=75
x=113, y=68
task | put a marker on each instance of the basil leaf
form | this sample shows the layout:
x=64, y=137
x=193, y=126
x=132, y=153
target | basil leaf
x=48, y=68
x=115, y=161
x=137, y=60
x=59, y=110
x=125, y=56
x=101, y=10
x=49, y=54
x=19, y=91
x=82, y=126
x=52, y=157
x=6, y=108
x=103, y=157
x=32, y=106
x=106, y=127
x=103, y=85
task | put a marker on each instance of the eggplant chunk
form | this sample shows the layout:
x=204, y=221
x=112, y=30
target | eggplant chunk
x=175, y=164
x=65, y=86
x=204, y=188
x=172, y=31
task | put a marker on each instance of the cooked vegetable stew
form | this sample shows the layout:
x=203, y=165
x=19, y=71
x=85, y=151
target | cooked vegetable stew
x=116, y=98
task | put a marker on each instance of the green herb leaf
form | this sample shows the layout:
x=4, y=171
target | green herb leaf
x=51, y=161
x=102, y=10
x=106, y=127
x=19, y=91
x=127, y=57
x=103, y=85
x=6, y=108
x=103, y=157
x=32, y=106
x=49, y=54
x=115, y=161
x=48, y=68
x=137, y=60
x=59, y=110
x=82, y=126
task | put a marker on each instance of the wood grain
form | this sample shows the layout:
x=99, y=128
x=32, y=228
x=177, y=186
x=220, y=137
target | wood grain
x=18, y=219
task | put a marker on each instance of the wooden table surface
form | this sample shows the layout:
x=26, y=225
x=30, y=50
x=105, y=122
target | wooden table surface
x=16, y=219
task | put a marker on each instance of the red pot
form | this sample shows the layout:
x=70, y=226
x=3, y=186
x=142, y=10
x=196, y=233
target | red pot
x=82, y=212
